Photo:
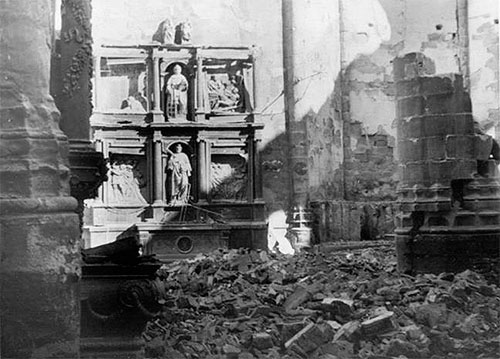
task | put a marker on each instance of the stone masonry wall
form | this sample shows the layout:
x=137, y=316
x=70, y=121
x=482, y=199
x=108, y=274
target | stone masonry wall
x=449, y=206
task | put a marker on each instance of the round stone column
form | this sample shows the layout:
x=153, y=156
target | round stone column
x=40, y=237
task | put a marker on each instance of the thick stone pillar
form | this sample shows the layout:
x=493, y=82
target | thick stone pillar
x=40, y=236
x=449, y=204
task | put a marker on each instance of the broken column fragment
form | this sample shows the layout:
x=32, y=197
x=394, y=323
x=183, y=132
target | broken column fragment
x=449, y=211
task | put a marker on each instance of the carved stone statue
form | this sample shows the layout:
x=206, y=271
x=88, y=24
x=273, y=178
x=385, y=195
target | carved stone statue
x=165, y=32
x=124, y=184
x=178, y=171
x=176, y=88
x=183, y=33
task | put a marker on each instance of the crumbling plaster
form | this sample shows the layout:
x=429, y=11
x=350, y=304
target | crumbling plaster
x=429, y=27
x=484, y=63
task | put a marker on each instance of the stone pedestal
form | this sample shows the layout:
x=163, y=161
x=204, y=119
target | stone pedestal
x=449, y=200
x=40, y=259
x=116, y=303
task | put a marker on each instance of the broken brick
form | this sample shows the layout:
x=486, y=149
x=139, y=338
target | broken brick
x=338, y=307
x=348, y=331
x=239, y=312
x=379, y=325
x=308, y=339
x=262, y=341
x=288, y=330
x=299, y=296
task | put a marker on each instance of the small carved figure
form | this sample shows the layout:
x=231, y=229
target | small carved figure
x=177, y=87
x=134, y=103
x=178, y=172
x=223, y=96
x=215, y=86
x=165, y=32
x=183, y=33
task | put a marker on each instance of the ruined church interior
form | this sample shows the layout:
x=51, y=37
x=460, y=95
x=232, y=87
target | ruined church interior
x=243, y=179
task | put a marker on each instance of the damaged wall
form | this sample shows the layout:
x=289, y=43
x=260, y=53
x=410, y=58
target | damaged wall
x=426, y=26
x=370, y=42
x=344, y=95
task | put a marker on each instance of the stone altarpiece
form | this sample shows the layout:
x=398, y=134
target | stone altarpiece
x=155, y=104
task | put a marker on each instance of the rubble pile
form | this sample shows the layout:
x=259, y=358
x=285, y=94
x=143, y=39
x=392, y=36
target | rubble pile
x=352, y=304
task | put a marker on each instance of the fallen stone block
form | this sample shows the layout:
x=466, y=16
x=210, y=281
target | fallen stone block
x=288, y=330
x=299, y=296
x=338, y=349
x=308, y=339
x=262, y=341
x=231, y=351
x=348, y=331
x=399, y=347
x=338, y=307
x=381, y=324
x=335, y=325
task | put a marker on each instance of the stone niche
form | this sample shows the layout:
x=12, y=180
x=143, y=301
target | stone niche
x=177, y=126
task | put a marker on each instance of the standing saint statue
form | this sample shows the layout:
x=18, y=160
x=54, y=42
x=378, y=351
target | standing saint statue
x=177, y=86
x=178, y=172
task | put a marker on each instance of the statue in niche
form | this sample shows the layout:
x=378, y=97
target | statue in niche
x=183, y=33
x=178, y=171
x=125, y=185
x=165, y=32
x=176, y=91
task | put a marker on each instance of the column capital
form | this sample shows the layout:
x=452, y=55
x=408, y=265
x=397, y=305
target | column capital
x=157, y=136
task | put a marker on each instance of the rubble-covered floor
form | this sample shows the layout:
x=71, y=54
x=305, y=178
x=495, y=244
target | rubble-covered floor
x=349, y=304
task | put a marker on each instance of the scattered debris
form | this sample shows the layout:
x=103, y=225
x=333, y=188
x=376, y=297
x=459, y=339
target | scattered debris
x=348, y=304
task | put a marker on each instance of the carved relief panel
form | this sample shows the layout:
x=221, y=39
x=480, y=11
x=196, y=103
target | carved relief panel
x=228, y=177
x=228, y=86
x=127, y=180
